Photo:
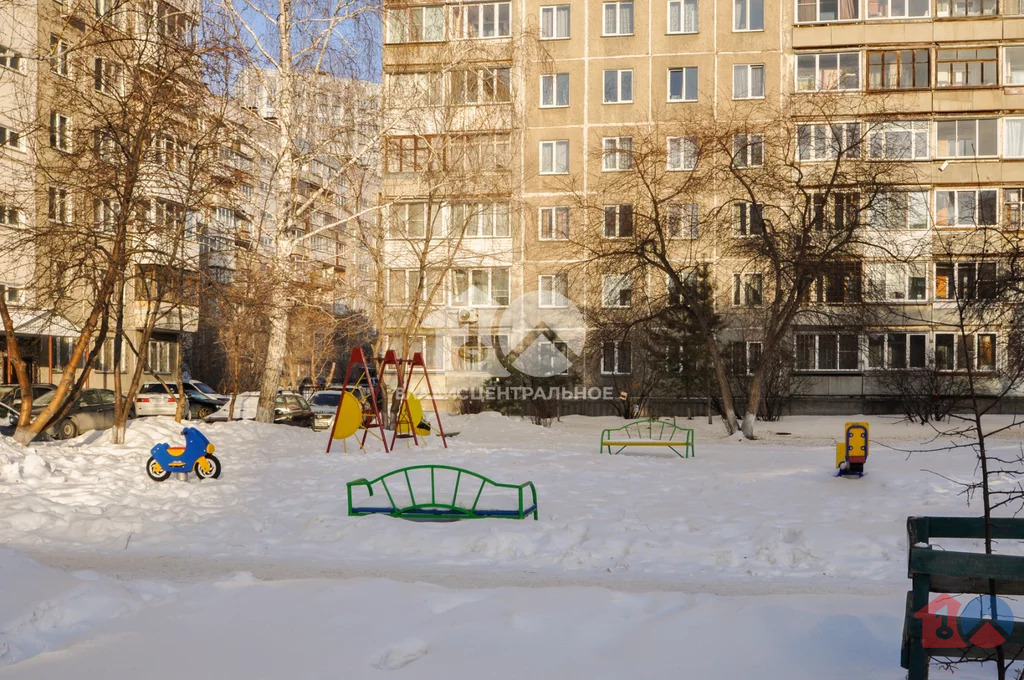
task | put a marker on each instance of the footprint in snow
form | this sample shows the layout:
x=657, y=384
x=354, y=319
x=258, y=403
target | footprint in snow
x=400, y=654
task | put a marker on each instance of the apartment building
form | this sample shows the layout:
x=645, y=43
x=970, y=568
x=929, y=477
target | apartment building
x=570, y=87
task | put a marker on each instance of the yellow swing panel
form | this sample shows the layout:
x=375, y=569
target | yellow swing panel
x=350, y=417
x=413, y=414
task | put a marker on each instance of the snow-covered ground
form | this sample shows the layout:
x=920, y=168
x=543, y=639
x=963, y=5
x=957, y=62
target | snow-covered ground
x=749, y=561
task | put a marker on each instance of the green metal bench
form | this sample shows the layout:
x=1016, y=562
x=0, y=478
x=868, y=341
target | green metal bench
x=649, y=433
x=442, y=492
x=937, y=570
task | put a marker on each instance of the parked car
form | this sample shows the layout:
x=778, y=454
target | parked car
x=12, y=393
x=324, y=404
x=289, y=409
x=154, y=399
x=92, y=410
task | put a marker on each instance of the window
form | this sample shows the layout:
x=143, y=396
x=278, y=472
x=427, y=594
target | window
x=484, y=20
x=810, y=11
x=618, y=221
x=553, y=290
x=62, y=349
x=1013, y=56
x=966, y=207
x=105, y=363
x=744, y=357
x=476, y=353
x=682, y=84
x=682, y=16
x=60, y=58
x=748, y=218
x=831, y=71
x=827, y=141
x=417, y=89
x=682, y=219
x=965, y=8
x=894, y=281
x=899, y=210
x=967, y=138
x=9, y=215
x=748, y=81
x=59, y=205
x=414, y=24
x=839, y=212
x=1013, y=130
x=414, y=154
x=746, y=290
x=618, y=18
x=898, y=9
x=554, y=22
x=405, y=285
x=105, y=212
x=748, y=15
x=965, y=280
x=10, y=139
x=554, y=157
x=1013, y=207
x=954, y=351
x=615, y=358
x=839, y=284
x=899, y=140
x=827, y=352
x=898, y=69
x=162, y=356
x=618, y=86
x=897, y=350
x=682, y=153
x=966, y=68
x=13, y=295
x=481, y=220
x=618, y=154
x=409, y=220
x=10, y=59
x=554, y=223
x=480, y=287
x=488, y=85
x=748, y=151
x=554, y=90
x=479, y=153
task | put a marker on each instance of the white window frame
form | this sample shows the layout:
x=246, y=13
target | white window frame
x=892, y=281
x=959, y=195
x=553, y=146
x=60, y=57
x=817, y=13
x=939, y=143
x=744, y=146
x=60, y=205
x=11, y=59
x=11, y=139
x=878, y=139
x=477, y=296
x=1011, y=76
x=743, y=288
x=614, y=289
x=819, y=85
x=683, y=220
x=616, y=30
x=746, y=73
x=622, y=75
x=837, y=349
x=1009, y=123
x=688, y=76
x=10, y=216
x=621, y=349
x=556, y=218
x=680, y=9
x=887, y=350
x=402, y=218
x=549, y=85
x=617, y=211
x=955, y=287
x=469, y=30
x=549, y=22
x=917, y=202
x=742, y=219
x=60, y=131
x=747, y=4
x=483, y=213
x=105, y=212
x=951, y=9
x=889, y=15
x=682, y=153
x=398, y=33
x=552, y=291
x=833, y=138
x=617, y=154
x=104, y=71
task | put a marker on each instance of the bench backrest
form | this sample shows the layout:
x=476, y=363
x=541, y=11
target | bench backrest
x=951, y=571
x=660, y=430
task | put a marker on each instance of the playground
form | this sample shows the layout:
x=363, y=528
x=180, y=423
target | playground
x=642, y=564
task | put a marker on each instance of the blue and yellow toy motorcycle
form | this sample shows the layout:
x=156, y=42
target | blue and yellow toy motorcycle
x=196, y=455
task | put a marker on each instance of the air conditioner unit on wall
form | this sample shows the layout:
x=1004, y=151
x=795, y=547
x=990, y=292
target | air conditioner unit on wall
x=467, y=316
